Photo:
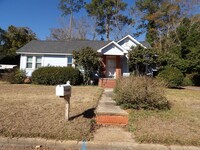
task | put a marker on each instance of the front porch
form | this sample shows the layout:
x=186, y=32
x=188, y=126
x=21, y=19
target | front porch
x=113, y=64
x=112, y=68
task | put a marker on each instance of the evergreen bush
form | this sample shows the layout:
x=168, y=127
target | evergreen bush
x=187, y=81
x=57, y=75
x=195, y=77
x=172, y=76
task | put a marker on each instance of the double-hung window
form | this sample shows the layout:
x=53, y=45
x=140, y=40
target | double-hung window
x=29, y=62
x=69, y=61
x=38, y=61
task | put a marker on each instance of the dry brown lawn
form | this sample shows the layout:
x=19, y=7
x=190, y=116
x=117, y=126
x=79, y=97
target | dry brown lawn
x=35, y=111
x=180, y=125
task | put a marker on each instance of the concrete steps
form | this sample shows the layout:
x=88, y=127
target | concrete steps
x=107, y=113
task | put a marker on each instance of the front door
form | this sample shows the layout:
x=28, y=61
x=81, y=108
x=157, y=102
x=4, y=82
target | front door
x=110, y=66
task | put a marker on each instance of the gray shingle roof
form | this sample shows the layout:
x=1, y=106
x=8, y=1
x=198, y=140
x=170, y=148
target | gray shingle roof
x=65, y=47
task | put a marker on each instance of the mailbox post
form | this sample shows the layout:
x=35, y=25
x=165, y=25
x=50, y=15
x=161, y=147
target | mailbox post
x=64, y=91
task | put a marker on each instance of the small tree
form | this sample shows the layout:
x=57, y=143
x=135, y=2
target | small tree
x=89, y=60
x=140, y=59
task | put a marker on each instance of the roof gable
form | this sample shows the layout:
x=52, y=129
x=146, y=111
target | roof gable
x=128, y=41
x=112, y=48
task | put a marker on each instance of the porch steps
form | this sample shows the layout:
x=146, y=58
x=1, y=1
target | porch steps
x=107, y=82
x=107, y=113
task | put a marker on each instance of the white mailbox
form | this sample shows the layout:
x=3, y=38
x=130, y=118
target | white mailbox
x=63, y=90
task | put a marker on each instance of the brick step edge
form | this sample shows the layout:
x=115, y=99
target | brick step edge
x=111, y=120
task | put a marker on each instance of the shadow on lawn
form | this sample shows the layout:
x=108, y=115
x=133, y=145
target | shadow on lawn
x=86, y=114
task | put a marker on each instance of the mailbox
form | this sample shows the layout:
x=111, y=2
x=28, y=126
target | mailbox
x=63, y=90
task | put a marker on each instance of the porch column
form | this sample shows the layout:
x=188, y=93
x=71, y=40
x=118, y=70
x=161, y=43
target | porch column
x=103, y=67
x=118, y=67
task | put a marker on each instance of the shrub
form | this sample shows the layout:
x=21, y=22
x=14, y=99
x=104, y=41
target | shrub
x=187, y=81
x=57, y=75
x=140, y=93
x=172, y=76
x=195, y=77
x=16, y=76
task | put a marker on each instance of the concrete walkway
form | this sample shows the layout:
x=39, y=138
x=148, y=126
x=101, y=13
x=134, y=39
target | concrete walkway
x=107, y=106
x=108, y=112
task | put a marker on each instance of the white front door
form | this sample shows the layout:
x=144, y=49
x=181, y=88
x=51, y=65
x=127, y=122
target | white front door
x=110, y=66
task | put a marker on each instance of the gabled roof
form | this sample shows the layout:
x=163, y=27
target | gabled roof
x=132, y=39
x=56, y=47
x=66, y=47
x=114, y=43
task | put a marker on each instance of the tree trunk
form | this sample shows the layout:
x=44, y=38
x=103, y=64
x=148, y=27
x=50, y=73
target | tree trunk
x=107, y=30
x=70, y=28
x=137, y=69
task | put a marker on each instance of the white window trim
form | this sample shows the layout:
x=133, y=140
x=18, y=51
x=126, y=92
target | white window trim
x=72, y=64
x=29, y=62
x=34, y=61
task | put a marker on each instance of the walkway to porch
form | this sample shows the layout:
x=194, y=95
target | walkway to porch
x=108, y=112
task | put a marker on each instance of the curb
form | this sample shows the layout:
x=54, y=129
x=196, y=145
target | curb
x=33, y=142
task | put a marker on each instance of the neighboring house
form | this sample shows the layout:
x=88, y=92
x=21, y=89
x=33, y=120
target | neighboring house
x=36, y=54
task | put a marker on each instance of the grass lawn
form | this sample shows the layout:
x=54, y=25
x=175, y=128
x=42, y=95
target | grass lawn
x=180, y=125
x=35, y=111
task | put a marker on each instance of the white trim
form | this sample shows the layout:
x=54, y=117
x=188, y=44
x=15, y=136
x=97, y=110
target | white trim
x=40, y=62
x=29, y=53
x=32, y=62
x=68, y=62
x=134, y=40
x=117, y=45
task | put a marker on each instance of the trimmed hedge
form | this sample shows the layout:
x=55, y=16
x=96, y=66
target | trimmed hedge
x=57, y=75
x=172, y=76
x=141, y=93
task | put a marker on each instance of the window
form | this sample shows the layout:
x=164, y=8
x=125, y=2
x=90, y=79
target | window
x=29, y=62
x=38, y=62
x=69, y=61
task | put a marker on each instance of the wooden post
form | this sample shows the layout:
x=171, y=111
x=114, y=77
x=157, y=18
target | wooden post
x=67, y=107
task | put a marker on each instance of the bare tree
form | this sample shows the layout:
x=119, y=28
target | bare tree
x=84, y=28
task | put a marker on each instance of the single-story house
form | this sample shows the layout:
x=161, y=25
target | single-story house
x=38, y=53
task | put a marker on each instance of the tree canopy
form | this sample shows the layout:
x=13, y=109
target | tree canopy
x=68, y=7
x=89, y=60
x=108, y=14
x=13, y=39
x=141, y=60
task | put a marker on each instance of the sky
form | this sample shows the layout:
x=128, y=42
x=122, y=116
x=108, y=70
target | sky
x=38, y=15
